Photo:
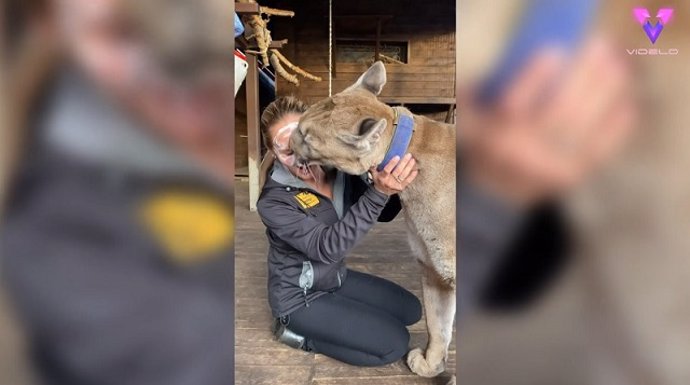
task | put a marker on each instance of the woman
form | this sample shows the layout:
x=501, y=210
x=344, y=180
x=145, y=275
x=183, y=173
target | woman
x=314, y=217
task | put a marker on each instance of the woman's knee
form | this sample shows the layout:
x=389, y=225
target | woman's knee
x=390, y=349
x=399, y=345
x=413, y=310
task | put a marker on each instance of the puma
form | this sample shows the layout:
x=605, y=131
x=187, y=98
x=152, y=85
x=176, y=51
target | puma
x=352, y=131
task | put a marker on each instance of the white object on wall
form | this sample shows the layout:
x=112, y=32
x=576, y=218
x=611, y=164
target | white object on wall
x=240, y=69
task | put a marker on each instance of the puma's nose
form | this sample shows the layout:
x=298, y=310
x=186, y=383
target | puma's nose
x=299, y=161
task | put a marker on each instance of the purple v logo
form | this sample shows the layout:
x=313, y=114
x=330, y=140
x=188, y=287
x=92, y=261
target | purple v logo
x=653, y=31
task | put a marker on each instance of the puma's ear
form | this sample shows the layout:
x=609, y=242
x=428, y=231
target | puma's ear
x=370, y=132
x=373, y=80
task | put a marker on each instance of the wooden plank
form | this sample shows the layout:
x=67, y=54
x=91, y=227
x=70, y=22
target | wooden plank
x=418, y=100
x=400, y=33
x=399, y=27
x=399, y=86
x=276, y=354
x=377, y=40
x=272, y=375
x=344, y=68
x=247, y=8
x=422, y=96
x=394, y=75
x=317, y=90
x=410, y=379
x=365, y=17
x=390, y=94
x=393, y=83
x=254, y=337
x=422, y=62
x=440, y=100
x=241, y=131
x=274, y=44
x=253, y=130
x=440, y=49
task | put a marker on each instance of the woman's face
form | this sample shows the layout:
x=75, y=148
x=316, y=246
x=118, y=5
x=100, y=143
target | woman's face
x=106, y=43
x=280, y=133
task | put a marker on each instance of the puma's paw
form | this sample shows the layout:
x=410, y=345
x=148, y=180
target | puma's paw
x=419, y=364
x=451, y=381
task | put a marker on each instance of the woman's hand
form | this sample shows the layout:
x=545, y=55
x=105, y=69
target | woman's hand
x=544, y=138
x=396, y=175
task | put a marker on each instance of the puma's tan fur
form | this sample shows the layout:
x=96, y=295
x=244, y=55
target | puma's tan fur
x=351, y=131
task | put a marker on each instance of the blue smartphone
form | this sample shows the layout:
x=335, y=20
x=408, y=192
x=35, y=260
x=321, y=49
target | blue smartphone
x=561, y=23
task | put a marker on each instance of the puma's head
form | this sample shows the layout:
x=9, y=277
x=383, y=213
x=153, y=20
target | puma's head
x=349, y=130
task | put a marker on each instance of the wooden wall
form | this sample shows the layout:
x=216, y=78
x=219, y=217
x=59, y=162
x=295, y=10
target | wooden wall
x=241, y=150
x=428, y=77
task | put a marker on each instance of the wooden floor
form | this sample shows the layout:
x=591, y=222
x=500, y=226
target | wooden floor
x=262, y=361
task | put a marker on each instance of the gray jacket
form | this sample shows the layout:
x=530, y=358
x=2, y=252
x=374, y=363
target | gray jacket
x=310, y=235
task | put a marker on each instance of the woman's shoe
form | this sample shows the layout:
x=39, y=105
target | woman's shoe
x=287, y=336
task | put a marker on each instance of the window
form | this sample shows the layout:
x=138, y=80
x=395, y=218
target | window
x=363, y=51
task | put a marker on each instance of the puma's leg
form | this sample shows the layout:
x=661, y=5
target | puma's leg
x=439, y=306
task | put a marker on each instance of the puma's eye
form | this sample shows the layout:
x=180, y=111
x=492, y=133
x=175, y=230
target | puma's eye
x=366, y=125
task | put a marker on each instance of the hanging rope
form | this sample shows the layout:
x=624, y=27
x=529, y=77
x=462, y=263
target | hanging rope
x=330, y=48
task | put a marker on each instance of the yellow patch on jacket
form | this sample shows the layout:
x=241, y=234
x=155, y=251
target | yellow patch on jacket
x=307, y=200
x=191, y=226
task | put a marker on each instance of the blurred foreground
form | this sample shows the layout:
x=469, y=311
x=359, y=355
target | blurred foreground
x=116, y=239
x=597, y=292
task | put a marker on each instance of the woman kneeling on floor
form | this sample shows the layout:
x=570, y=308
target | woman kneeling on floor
x=314, y=217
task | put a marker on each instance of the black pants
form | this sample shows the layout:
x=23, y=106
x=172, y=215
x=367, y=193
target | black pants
x=363, y=323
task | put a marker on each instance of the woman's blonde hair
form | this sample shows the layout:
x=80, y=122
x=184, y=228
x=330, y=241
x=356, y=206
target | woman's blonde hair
x=277, y=110
x=274, y=112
